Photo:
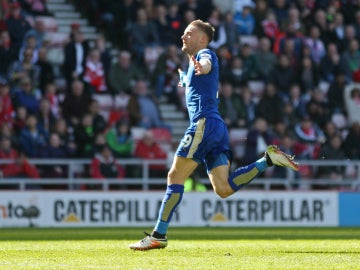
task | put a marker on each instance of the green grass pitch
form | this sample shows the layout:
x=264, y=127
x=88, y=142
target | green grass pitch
x=189, y=248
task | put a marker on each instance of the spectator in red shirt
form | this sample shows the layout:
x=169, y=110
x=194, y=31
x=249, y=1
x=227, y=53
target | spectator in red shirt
x=309, y=138
x=148, y=148
x=94, y=72
x=52, y=97
x=20, y=166
x=6, y=106
x=270, y=26
x=104, y=165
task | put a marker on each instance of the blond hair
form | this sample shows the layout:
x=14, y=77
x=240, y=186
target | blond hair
x=205, y=27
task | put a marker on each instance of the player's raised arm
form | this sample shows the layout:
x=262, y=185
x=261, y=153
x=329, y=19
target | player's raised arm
x=201, y=67
x=182, y=78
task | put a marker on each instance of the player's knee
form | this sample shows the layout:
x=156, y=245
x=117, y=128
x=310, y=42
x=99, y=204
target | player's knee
x=175, y=178
x=223, y=192
x=171, y=175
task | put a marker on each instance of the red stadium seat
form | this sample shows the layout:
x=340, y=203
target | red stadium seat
x=163, y=137
x=115, y=115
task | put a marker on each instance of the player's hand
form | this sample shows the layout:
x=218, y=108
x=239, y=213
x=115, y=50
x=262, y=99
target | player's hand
x=181, y=75
x=197, y=66
x=201, y=67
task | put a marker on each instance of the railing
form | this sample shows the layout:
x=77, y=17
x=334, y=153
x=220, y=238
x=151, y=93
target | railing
x=145, y=182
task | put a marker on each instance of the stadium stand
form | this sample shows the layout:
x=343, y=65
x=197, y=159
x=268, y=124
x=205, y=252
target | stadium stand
x=326, y=78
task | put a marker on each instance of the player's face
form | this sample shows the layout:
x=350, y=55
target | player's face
x=191, y=39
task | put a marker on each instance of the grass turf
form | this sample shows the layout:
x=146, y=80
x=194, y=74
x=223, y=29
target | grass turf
x=189, y=248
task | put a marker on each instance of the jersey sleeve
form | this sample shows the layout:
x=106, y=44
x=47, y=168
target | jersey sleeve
x=204, y=55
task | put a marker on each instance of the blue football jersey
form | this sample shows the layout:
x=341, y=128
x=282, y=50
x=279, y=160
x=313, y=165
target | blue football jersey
x=202, y=90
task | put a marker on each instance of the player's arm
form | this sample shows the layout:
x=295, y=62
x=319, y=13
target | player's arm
x=203, y=66
x=182, y=78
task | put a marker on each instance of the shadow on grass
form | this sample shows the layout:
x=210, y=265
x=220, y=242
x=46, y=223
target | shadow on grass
x=189, y=233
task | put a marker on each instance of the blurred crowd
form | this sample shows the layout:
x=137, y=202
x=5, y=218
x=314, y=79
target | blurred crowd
x=289, y=75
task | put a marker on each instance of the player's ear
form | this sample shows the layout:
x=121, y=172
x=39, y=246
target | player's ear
x=203, y=38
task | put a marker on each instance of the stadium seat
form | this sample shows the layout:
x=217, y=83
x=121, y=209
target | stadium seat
x=339, y=120
x=163, y=137
x=56, y=39
x=137, y=133
x=115, y=115
x=324, y=86
x=121, y=101
x=106, y=102
x=257, y=89
x=50, y=24
x=252, y=41
x=161, y=134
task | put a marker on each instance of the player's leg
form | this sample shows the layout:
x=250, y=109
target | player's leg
x=183, y=166
x=218, y=177
x=180, y=170
x=224, y=184
x=217, y=160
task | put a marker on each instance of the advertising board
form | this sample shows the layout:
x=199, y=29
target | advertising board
x=113, y=209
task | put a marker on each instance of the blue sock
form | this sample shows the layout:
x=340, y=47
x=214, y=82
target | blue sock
x=244, y=175
x=171, y=200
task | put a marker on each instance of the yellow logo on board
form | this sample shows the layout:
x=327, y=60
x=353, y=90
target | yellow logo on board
x=219, y=218
x=72, y=218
